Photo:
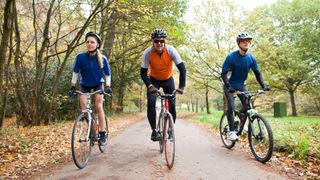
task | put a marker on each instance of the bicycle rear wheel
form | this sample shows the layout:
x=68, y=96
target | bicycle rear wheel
x=81, y=141
x=260, y=138
x=160, y=129
x=103, y=148
x=224, y=130
x=169, y=139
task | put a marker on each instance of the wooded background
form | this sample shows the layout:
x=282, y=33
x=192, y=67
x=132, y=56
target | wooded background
x=40, y=39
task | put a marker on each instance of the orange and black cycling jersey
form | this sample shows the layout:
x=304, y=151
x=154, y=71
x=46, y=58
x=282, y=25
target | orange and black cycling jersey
x=160, y=66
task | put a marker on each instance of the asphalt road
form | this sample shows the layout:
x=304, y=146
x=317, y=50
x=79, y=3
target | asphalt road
x=199, y=155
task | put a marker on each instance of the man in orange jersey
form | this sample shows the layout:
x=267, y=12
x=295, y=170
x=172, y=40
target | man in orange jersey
x=159, y=59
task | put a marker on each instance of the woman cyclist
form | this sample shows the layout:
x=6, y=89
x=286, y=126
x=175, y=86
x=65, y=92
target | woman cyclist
x=95, y=75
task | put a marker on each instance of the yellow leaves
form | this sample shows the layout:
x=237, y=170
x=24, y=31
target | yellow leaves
x=28, y=150
x=10, y=157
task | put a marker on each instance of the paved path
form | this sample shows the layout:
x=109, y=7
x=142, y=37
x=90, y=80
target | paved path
x=199, y=155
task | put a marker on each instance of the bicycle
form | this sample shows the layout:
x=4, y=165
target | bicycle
x=259, y=130
x=85, y=133
x=165, y=126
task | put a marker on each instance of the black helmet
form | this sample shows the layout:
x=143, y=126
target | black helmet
x=158, y=33
x=243, y=35
x=93, y=34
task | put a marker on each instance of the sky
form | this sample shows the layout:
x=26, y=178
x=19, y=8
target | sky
x=247, y=4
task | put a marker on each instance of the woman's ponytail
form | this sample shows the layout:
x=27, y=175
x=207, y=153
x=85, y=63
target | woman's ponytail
x=99, y=57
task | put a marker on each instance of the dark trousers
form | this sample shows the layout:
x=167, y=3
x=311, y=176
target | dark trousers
x=231, y=106
x=168, y=87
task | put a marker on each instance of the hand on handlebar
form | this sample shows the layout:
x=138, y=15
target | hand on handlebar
x=72, y=91
x=108, y=90
x=153, y=91
x=179, y=91
x=231, y=90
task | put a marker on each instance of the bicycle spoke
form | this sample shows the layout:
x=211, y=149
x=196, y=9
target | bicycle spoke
x=224, y=130
x=84, y=133
x=261, y=139
x=80, y=143
x=160, y=126
x=169, y=140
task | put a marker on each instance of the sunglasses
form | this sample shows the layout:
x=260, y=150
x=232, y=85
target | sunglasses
x=246, y=40
x=158, y=41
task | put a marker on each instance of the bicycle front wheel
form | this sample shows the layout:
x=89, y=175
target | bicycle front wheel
x=260, y=138
x=81, y=141
x=224, y=130
x=103, y=148
x=169, y=139
x=160, y=130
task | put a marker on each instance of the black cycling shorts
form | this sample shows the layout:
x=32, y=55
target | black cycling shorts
x=86, y=89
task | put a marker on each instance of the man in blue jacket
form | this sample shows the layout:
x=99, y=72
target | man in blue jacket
x=234, y=73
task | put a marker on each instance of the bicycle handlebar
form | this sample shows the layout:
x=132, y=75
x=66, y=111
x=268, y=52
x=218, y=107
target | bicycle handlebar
x=90, y=94
x=250, y=94
x=163, y=95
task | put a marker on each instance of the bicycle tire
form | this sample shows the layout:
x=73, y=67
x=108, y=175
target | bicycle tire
x=263, y=150
x=81, y=141
x=224, y=130
x=103, y=148
x=169, y=144
x=160, y=130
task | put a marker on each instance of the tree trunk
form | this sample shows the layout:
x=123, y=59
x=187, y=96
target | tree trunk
x=6, y=89
x=24, y=111
x=207, y=100
x=6, y=31
x=192, y=106
x=122, y=87
x=39, y=60
x=120, y=100
x=197, y=105
x=293, y=104
x=110, y=34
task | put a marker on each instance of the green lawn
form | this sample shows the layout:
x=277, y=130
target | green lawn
x=298, y=136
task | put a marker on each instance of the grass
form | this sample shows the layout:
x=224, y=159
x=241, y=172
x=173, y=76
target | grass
x=298, y=136
x=213, y=118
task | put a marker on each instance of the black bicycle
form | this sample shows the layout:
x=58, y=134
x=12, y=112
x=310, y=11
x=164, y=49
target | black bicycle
x=259, y=130
x=85, y=133
x=165, y=126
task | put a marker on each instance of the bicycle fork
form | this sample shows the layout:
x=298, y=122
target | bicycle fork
x=260, y=135
x=87, y=138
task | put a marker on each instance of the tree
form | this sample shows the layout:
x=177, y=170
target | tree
x=36, y=96
x=210, y=39
x=7, y=31
x=128, y=26
x=289, y=44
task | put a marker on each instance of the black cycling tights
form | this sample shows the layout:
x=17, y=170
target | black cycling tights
x=168, y=87
x=231, y=106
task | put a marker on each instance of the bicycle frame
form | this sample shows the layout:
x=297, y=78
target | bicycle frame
x=260, y=136
x=250, y=110
x=88, y=111
x=166, y=122
x=165, y=101
x=165, y=104
x=85, y=123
